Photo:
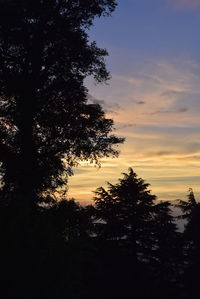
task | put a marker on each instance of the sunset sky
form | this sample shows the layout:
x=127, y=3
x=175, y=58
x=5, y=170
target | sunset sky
x=153, y=96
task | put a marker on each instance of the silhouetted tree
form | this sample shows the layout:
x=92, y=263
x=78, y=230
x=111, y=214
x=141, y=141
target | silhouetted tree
x=124, y=225
x=46, y=123
x=125, y=213
x=191, y=212
x=64, y=252
x=187, y=207
x=59, y=261
x=167, y=264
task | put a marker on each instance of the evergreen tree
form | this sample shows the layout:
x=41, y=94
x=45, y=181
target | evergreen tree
x=124, y=225
x=167, y=250
x=191, y=212
x=125, y=213
x=188, y=206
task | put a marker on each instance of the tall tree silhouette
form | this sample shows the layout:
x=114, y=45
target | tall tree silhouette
x=167, y=253
x=126, y=213
x=46, y=123
x=188, y=206
x=124, y=224
x=190, y=209
x=191, y=212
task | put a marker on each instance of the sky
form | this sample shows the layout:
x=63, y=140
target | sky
x=153, y=97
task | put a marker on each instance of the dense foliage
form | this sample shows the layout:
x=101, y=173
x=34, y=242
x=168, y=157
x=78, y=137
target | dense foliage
x=126, y=245
x=46, y=123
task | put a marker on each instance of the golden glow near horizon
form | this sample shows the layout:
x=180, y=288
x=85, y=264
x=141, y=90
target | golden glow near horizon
x=157, y=110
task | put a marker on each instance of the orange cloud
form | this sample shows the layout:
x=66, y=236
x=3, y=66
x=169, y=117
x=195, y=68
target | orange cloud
x=160, y=120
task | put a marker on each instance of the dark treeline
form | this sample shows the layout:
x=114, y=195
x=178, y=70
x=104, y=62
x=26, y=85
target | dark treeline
x=125, y=245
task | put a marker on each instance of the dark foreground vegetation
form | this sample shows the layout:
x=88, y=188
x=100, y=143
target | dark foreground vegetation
x=124, y=246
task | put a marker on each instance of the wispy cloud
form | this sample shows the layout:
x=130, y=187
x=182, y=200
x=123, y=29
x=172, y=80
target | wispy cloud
x=172, y=93
x=140, y=102
x=184, y=4
x=179, y=110
x=108, y=107
x=161, y=126
x=125, y=126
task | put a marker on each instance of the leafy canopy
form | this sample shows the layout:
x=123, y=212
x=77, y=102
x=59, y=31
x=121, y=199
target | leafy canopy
x=46, y=122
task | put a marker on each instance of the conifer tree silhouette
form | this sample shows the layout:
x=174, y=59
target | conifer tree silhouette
x=127, y=214
x=124, y=224
x=191, y=212
x=167, y=254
